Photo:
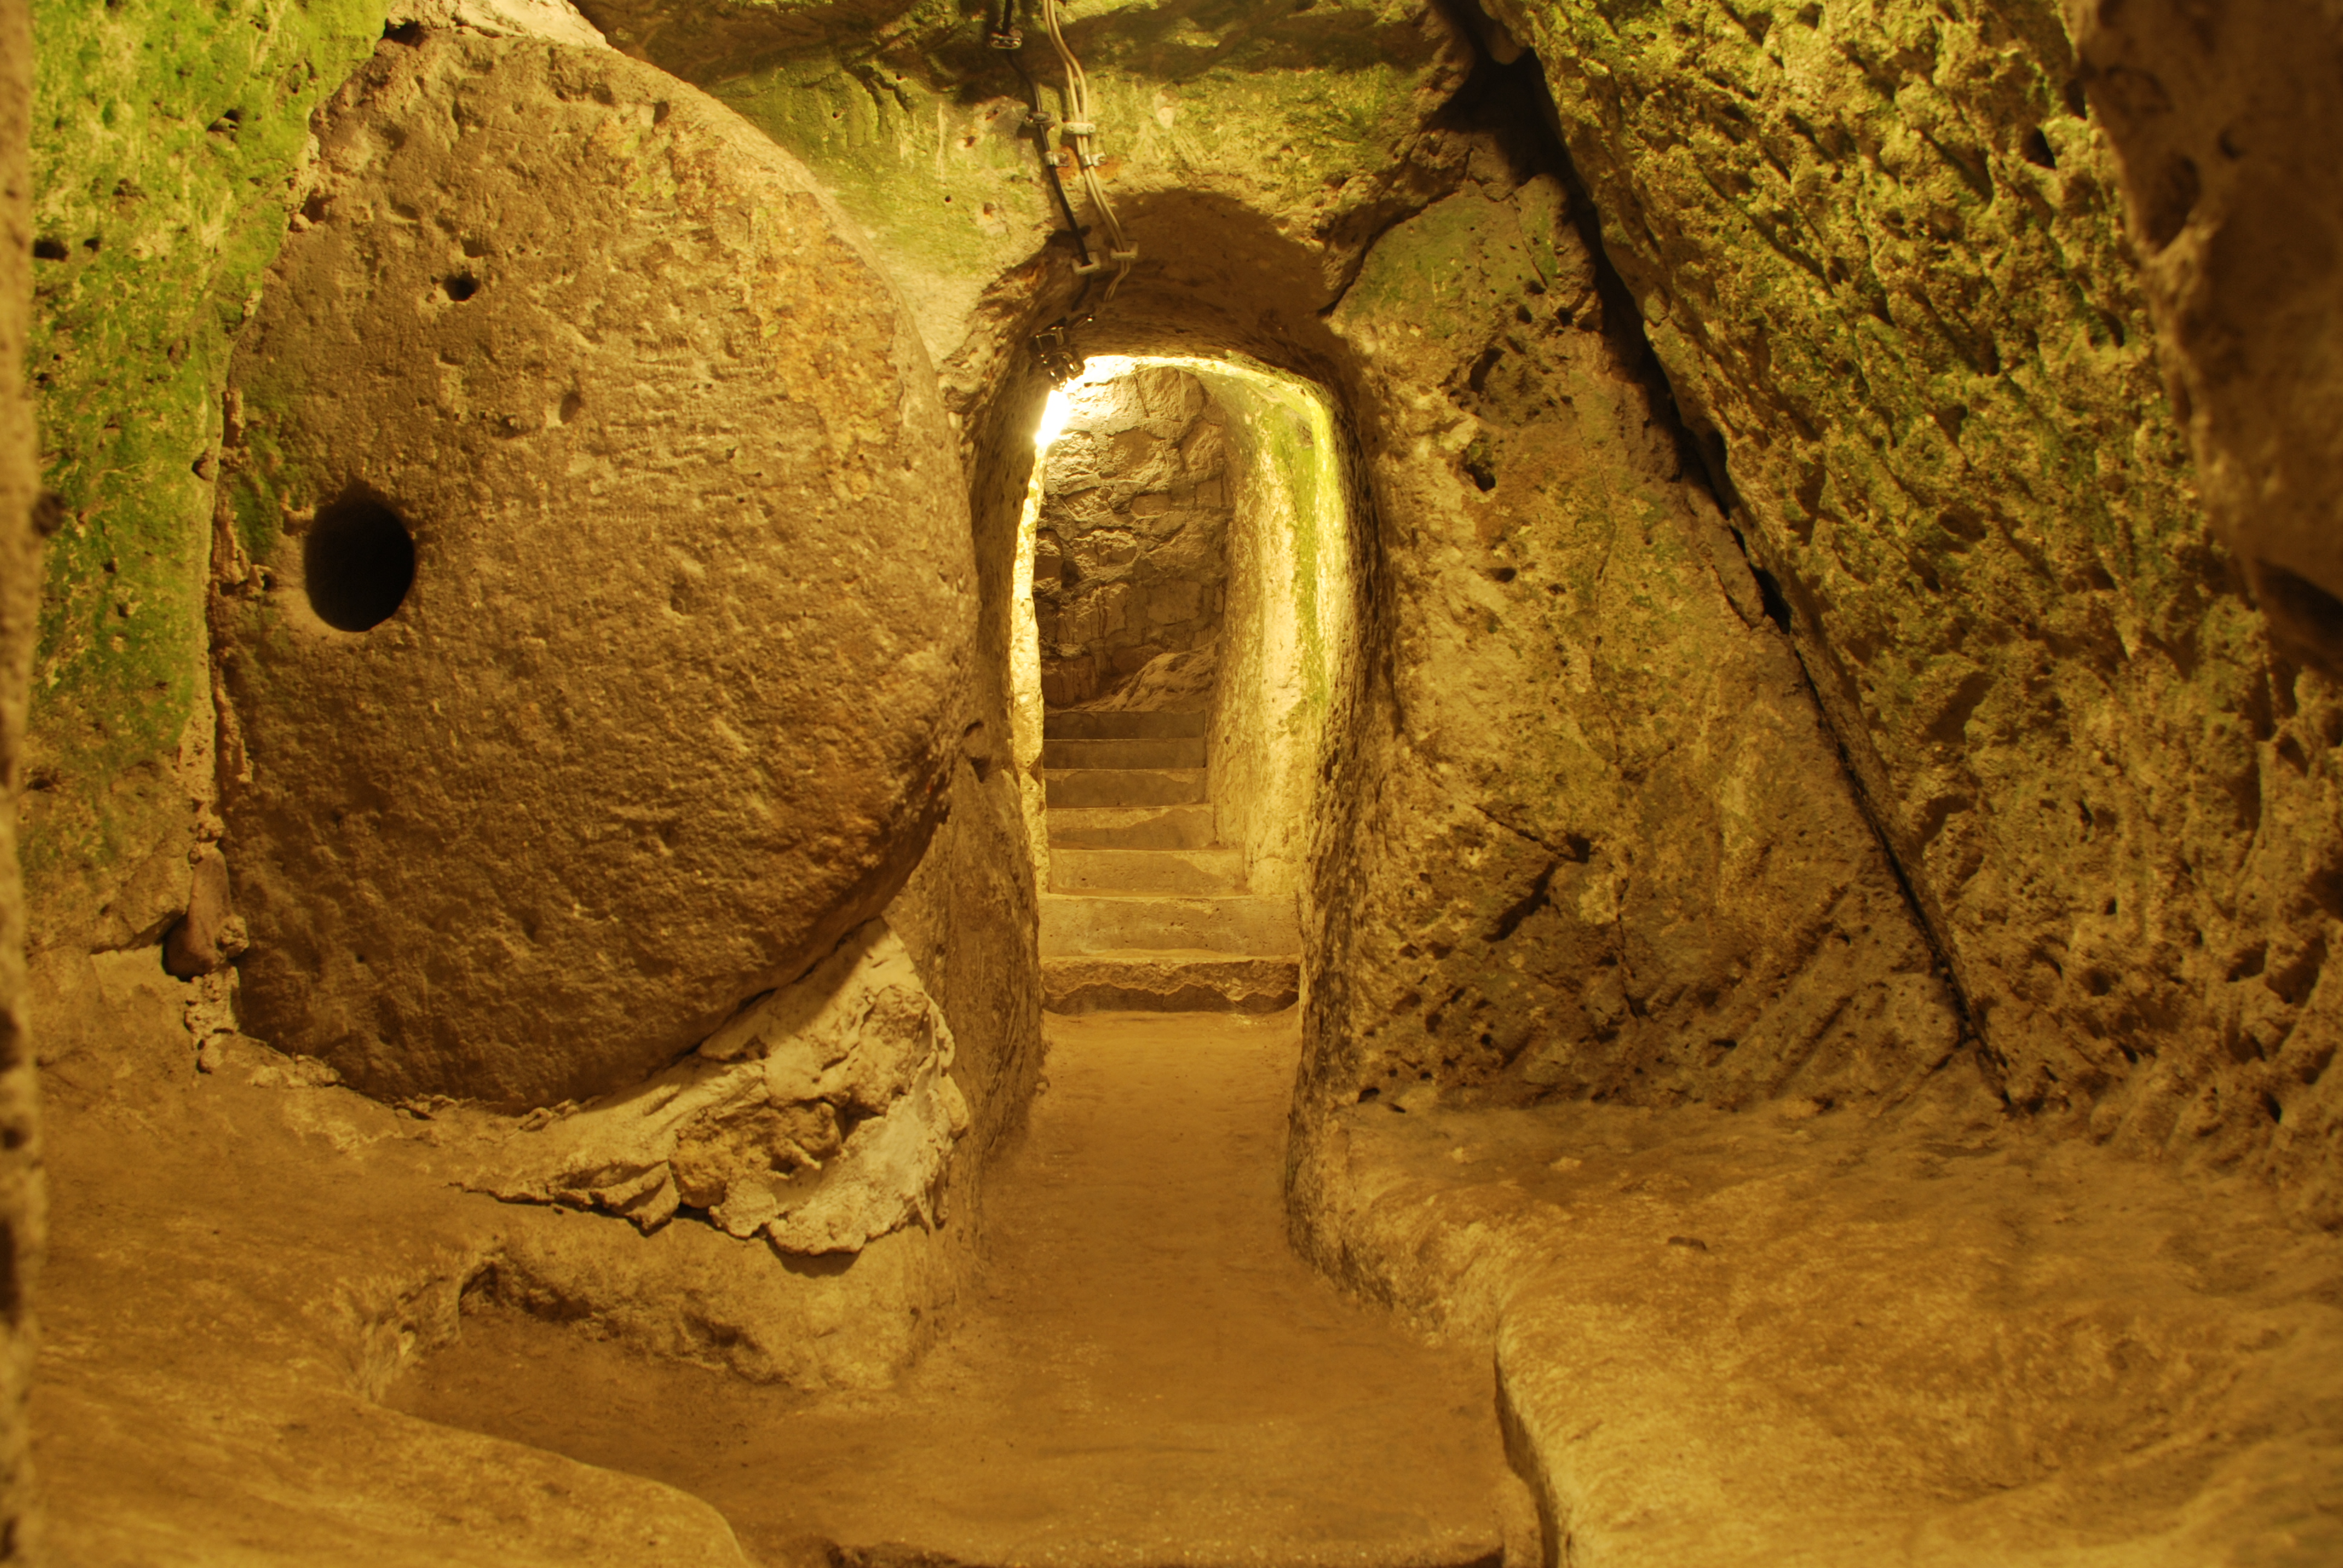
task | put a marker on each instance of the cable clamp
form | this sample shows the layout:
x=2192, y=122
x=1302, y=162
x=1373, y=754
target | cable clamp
x=1014, y=38
x=1089, y=160
x=1124, y=258
x=1060, y=361
x=1078, y=128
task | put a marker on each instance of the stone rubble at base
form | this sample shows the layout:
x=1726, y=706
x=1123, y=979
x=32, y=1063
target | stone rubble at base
x=749, y=1128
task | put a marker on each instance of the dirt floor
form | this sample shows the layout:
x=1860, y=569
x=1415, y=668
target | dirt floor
x=1794, y=1335
x=1147, y=1375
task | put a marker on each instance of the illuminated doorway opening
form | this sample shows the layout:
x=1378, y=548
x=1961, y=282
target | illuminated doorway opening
x=1183, y=603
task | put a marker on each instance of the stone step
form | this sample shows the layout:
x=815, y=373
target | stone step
x=1066, y=724
x=1183, y=753
x=1206, y=872
x=1131, y=828
x=1181, y=982
x=1123, y=786
x=1090, y=923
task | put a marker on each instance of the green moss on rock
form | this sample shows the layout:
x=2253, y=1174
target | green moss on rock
x=167, y=137
x=1878, y=248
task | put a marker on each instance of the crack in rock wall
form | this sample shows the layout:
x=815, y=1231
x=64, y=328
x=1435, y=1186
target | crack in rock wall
x=1605, y=847
x=1878, y=252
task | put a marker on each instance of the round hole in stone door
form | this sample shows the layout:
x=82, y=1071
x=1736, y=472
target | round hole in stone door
x=359, y=563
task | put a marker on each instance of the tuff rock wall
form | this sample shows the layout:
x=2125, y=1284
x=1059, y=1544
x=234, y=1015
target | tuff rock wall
x=168, y=141
x=2224, y=121
x=1288, y=642
x=23, y=1210
x=1599, y=842
x=1130, y=556
x=1879, y=252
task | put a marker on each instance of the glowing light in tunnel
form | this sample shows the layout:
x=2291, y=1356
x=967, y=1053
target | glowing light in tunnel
x=1099, y=369
x=1054, y=415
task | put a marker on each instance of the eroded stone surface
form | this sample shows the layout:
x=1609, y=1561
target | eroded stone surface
x=1168, y=982
x=664, y=710
x=2225, y=122
x=556, y=19
x=1131, y=553
x=153, y=233
x=22, y=1202
x=1878, y=249
x=821, y=1118
x=1603, y=844
x=332, y=1247
x=1935, y=1337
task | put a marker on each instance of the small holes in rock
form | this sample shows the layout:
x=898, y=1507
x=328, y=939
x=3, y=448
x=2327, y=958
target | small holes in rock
x=1480, y=463
x=461, y=287
x=358, y=563
x=2037, y=149
x=49, y=250
x=1770, y=595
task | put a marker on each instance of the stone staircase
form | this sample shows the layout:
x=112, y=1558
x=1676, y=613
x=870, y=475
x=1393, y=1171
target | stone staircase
x=1145, y=910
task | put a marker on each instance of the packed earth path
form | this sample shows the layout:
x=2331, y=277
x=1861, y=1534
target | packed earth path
x=1146, y=1374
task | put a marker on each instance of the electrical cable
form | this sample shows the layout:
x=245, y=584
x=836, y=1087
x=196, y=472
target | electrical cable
x=1010, y=41
x=1075, y=134
x=1076, y=131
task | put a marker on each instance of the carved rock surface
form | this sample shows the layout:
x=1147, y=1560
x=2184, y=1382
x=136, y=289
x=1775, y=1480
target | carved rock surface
x=664, y=709
x=1603, y=847
x=2226, y=122
x=1131, y=560
x=749, y=1128
x=1879, y=251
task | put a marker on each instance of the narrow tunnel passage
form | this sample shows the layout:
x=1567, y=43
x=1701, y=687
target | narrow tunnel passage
x=1144, y=1374
x=1147, y=1372
x=1189, y=563
x=1775, y=590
